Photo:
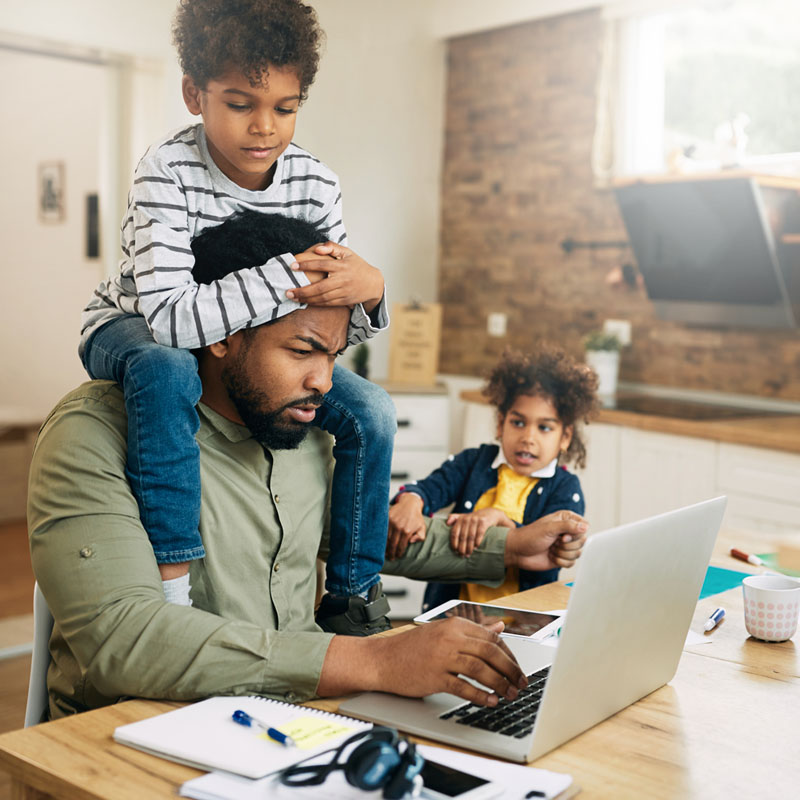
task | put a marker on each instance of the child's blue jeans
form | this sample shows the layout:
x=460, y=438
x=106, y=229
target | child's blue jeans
x=162, y=388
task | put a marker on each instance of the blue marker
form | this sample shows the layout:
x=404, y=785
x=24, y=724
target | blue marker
x=243, y=718
x=714, y=619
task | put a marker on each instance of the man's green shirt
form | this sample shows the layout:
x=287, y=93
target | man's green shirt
x=251, y=629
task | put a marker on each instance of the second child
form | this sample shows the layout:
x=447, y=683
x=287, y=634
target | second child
x=541, y=400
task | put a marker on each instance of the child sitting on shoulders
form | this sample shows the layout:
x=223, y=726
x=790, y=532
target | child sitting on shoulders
x=540, y=400
x=247, y=69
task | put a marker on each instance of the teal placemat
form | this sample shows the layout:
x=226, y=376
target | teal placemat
x=720, y=580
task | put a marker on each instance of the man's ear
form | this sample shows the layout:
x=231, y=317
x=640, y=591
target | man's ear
x=219, y=349
x=191, y=95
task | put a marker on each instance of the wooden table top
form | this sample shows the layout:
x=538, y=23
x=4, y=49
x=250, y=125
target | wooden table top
x=727, y=725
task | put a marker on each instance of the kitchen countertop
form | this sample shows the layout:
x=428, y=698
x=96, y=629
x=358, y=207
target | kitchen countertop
x=756, y=429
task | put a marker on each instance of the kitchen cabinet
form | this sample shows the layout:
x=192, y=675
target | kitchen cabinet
x=644, y=473
x=600, y=479
x=763, y=488
x=421, y=445
x=660, y=472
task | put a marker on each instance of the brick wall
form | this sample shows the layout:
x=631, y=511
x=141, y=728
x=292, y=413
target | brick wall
x=517, y=181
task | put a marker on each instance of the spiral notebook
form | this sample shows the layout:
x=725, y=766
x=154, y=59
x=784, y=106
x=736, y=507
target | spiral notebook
x=204, y=735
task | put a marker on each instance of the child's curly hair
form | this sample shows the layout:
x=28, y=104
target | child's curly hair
x=214, y=35
x=549, y=373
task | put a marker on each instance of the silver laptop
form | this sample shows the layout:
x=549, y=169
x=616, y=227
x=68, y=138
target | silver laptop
x=635, y=592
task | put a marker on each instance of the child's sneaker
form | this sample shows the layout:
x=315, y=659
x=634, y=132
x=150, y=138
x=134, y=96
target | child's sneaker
x=355, y=616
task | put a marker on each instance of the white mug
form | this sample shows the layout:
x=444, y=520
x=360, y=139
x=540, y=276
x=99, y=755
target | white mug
x=771, y=606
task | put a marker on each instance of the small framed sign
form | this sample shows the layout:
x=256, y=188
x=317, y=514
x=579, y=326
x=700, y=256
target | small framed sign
x=414, y=343
x=51, y=191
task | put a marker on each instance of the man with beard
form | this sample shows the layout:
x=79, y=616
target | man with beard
x=265, y=497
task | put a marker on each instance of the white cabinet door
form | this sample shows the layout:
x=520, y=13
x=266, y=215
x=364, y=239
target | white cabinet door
x=600, y=479
x=422, y=421
x=763, y=488
x=660, y=472
x=412, y=465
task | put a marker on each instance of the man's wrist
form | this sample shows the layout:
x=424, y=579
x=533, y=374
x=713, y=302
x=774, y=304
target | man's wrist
x=511, y=554
x=353, y=664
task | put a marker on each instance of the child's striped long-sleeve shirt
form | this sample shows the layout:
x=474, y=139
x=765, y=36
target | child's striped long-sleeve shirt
x=178, y=191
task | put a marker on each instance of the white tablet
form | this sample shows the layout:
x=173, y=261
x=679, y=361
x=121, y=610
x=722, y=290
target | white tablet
x=523, y=624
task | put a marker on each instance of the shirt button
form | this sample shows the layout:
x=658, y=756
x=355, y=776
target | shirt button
x=468, y=504
x=576, y=497
x=276, y=567
x=290, y=696
x=86, y=552
x=277, y=498
x=539, y=490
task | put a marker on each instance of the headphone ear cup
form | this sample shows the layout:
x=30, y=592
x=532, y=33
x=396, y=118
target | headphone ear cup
x=371, y=763
x=403, y=780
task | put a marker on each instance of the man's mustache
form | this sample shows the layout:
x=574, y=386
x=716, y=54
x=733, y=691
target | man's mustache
x=314, y=400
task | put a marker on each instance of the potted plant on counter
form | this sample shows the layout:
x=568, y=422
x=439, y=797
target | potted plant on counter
x=602, y=355
x=361, y=360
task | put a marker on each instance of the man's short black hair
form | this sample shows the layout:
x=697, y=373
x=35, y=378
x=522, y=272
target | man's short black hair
x=249, y=239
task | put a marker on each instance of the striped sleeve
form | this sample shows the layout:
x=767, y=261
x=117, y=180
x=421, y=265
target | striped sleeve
x=180, y=312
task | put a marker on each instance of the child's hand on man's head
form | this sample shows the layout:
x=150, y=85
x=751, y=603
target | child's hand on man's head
x=350, y=279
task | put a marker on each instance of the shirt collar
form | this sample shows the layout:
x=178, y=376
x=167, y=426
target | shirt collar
x=544, y=472
x=232, y=431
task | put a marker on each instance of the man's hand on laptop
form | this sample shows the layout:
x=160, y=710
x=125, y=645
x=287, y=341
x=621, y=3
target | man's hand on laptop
x=430, y=658
x=552, y=541
x=424, y=660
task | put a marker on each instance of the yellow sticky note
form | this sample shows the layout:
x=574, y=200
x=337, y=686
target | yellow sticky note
x=310, y=732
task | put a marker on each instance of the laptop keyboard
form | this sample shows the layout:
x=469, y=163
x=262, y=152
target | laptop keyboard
x=509, y=717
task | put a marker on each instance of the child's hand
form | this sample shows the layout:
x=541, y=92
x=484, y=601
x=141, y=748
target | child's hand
x=406, y=524
x=350, y=279
x=467, y=530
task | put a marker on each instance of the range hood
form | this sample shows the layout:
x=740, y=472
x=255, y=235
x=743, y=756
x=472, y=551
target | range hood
x=714, y=252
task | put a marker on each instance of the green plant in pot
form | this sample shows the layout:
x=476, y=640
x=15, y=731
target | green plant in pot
x=602, y=355
x=361, y=360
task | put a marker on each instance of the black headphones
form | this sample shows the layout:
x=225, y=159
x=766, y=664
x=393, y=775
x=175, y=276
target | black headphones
x=383, y=760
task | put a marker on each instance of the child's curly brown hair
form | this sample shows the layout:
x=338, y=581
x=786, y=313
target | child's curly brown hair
x=549, y=373
x=251, y=35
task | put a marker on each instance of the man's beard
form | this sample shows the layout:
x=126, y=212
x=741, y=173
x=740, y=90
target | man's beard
x=266, y=426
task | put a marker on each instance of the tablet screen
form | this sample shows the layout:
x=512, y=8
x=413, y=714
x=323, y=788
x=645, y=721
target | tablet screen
x=517, y=622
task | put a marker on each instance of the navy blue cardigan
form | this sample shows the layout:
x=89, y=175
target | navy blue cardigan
x=462, y=479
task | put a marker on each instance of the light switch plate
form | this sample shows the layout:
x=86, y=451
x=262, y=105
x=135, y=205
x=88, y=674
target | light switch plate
x=621, y=328
x=496, y=324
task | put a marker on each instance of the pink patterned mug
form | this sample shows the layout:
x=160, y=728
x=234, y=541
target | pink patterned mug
x=771, y=607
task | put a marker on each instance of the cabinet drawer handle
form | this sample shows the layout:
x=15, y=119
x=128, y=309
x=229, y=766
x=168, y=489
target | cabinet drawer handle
x=404, y=423
x=399, y=476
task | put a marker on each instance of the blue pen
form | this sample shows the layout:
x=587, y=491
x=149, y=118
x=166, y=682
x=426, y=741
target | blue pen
x=714, y=619
x=243, y=718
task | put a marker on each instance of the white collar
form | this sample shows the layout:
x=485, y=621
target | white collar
x=544, y=472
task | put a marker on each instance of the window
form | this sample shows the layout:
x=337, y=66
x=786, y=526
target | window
x=705, y=86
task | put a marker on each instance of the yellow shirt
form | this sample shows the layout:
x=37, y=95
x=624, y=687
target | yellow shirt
x=510, y=495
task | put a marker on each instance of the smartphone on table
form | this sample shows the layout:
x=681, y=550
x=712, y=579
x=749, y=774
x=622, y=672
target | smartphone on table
x=440, y=782
x=534, y=625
